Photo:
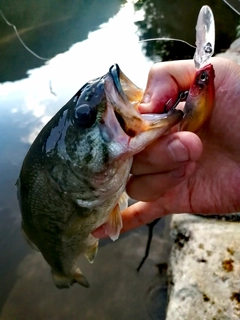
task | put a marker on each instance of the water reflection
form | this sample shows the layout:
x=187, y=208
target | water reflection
x=47, y=27
x=27, y=290
x=49, y=87
x=177, y=19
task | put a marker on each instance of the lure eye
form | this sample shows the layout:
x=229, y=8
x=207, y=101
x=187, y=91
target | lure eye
x=203, y=76
x=85, y=115
x=208, y=48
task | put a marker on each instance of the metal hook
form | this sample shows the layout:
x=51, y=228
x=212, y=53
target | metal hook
x=182, y=97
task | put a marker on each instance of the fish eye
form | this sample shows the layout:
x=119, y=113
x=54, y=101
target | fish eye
x=85, y=115
x=203, y=76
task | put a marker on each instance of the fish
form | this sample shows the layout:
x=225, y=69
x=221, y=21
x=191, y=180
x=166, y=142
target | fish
x=200, y=100
x=74, y=175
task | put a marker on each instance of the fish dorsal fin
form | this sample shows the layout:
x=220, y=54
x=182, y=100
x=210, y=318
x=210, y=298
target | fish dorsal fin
x=114, y=224
x=91, y=253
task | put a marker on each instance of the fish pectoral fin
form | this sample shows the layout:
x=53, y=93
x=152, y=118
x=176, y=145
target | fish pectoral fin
x=91, y=253
x=73, y=225
x=114, y=224
x=123, y=201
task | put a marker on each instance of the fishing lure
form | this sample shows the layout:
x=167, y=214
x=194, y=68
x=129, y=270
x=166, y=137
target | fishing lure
x=200, y=100
x=200, y=97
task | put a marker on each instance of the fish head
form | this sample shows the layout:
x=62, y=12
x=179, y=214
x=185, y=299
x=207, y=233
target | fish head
x=200, y=100
x=102, y=124
x=88, y=146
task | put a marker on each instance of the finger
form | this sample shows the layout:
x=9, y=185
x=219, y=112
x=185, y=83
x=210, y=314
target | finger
x=168, y=153
x=134, y=216
x=165, y=81
x=150, y=187
x=139, y=214
x=142, y=213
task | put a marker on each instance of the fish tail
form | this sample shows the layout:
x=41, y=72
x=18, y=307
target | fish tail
x=63, y=281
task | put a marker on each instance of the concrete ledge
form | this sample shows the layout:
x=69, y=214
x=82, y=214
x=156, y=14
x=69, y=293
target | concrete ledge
x=204, y=269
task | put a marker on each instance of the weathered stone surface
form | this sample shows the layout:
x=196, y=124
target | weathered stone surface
x=204, y=269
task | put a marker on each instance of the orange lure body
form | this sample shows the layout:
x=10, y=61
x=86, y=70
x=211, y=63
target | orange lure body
x=200, y=100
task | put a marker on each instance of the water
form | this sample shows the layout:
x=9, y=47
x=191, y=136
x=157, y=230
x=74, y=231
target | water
x=82, y=41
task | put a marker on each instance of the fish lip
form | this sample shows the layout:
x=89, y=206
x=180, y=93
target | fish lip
x=128, y=91
x=115, y=73
x=128, y=95
x=120, y=80
x=124, y=97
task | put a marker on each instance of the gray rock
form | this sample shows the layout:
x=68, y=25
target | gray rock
x=204, y=269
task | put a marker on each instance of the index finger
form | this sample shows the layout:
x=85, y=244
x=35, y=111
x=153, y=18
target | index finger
x=165, y=81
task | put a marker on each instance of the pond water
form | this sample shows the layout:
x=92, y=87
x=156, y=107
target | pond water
x=82, y=41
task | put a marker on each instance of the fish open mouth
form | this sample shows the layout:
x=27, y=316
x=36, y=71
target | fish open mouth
x=129, y=92
x=126, y=107
x=130, y=132
x=131, y=96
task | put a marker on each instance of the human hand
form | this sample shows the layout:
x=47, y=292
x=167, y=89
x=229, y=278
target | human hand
x=179, y=172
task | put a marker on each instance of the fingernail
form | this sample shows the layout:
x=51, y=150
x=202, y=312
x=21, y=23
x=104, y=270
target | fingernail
x=178, y=173
x=146, y=98
x=178, y=151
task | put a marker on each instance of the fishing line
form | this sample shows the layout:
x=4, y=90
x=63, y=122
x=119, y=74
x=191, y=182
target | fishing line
x=20, y=39
x=167, y=39
x=232, y=7
x=26, y=47
x=46, y=59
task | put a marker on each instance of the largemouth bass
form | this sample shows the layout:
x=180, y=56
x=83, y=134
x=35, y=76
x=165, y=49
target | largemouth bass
x=74, y=174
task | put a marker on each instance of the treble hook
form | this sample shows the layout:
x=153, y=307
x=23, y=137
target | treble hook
x=181, y=97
